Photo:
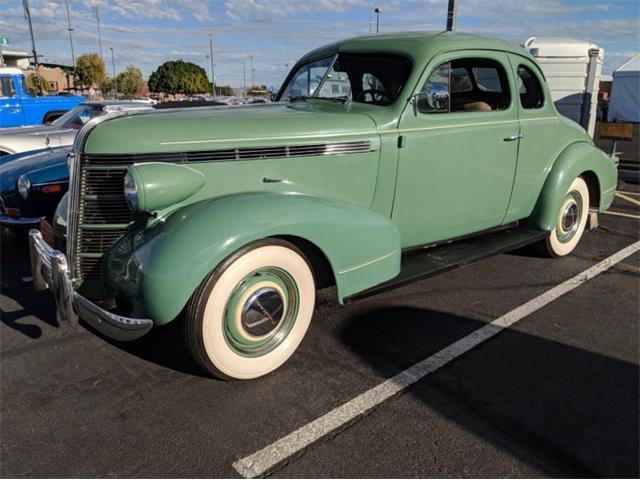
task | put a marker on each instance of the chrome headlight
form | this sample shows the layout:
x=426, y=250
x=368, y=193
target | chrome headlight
x=130, y=191
x=24, y=186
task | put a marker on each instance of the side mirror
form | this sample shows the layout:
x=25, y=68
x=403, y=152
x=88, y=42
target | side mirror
x=434, y=99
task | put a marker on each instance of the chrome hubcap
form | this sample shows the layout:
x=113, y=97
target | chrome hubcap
x=262, y=312
x=568, y=221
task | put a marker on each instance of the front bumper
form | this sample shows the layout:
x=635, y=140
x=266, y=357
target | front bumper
x=50, y=270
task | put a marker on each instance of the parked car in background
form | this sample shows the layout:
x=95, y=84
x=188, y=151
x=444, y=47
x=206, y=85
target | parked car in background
x=230, y=218
x=62, y=131
x=31, y=185
x=19, y=107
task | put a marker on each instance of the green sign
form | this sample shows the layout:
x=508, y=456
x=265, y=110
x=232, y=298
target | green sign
x=4, y=41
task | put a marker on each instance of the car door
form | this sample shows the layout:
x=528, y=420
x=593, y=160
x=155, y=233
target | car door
x=459, y=149
x=11, y=113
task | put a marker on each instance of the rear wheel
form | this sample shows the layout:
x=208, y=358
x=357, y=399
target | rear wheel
x=570, y=221
x=251, y=313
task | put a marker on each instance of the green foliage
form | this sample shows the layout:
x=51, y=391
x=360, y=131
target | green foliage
x=227, y=91
x=130, y=82
x=106, y=86
x=30, y=82
x=178, y=76
x=90, y=69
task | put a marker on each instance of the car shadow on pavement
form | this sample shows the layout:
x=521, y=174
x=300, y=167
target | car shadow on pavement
x=576, y=410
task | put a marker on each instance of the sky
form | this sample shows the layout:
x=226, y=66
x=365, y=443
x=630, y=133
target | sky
x=275, y=33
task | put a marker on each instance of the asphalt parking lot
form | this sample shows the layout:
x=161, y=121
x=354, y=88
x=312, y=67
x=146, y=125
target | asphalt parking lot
x=554, y=395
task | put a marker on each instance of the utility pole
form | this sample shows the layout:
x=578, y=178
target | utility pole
x=452, y=13
x=213, y=75
x=378, y=12
x=252, y=70
x=244, y=78
x=73, y=55
x=27, y=15
x=113, y=63
x=96, y=13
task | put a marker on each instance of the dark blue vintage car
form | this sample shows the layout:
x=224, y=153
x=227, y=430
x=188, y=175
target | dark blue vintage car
x=31, y=185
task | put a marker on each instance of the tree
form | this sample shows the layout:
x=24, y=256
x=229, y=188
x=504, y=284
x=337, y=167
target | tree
x=227, y=91
x=31, y=79
x=178, y=76
x=90, y=69
x=130, y=82
x=106, y=86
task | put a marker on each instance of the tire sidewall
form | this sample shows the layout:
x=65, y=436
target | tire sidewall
x=555, y=246
x=219, y=357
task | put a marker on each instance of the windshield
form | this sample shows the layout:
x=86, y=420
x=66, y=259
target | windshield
x=373, y=79
x=77, y=117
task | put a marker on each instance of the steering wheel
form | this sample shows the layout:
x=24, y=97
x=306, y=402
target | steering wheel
x=377, y=96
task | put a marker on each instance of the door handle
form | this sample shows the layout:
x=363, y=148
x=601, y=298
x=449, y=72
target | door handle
x=15, y=110
x=515, y=136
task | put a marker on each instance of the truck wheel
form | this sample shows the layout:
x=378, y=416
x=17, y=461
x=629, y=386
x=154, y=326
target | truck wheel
x=250, y=314
x=570, y=222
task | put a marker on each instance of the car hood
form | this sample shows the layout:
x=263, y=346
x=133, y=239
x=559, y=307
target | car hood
x=41, y=166
x=214, y=128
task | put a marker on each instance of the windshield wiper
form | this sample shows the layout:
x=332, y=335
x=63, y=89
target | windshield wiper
x=299, y=98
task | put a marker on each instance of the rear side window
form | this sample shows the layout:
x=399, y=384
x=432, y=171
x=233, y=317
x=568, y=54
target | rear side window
x=6, y=87
x=529, y=87
x=466, y=85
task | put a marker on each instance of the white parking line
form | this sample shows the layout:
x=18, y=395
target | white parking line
x=620, y=214
x=628, y=199
x=635, y=194
x=260, y=462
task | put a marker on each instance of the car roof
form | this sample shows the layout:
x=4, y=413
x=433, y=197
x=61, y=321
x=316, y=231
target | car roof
x=418, y=45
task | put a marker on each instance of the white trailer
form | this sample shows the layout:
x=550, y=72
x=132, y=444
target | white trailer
x=573, y=68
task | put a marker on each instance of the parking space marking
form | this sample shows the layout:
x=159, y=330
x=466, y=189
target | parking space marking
x=261, y=461
x=628, y=199
x=635, y=194
x=620, y=214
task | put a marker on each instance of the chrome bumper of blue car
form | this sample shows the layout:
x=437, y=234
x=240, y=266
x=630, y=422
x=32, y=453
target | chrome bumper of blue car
x=24, y=221
x=50, y=270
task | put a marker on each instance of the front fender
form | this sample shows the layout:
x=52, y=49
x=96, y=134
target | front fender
x=154, y=270
x=577, y=159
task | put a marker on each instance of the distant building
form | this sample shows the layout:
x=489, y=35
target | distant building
x=15, y=58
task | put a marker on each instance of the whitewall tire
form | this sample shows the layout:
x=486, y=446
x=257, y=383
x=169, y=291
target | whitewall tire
x=571, y=220
x=251, y=313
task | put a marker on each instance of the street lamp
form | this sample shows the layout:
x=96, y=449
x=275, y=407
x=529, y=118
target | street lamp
x=113, y=63
x=378, y=12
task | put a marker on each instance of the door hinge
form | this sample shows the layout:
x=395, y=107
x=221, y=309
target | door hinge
x=401, y=141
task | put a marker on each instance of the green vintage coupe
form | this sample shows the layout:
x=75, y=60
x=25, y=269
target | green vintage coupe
x=386, y=159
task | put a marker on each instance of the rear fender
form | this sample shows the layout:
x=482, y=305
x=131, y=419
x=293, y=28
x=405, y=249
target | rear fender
x=576, y=160
x=154, y=270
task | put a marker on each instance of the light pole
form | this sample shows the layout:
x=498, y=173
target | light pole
x=70, y=28
x=378, y=12
x=452, y=13
x=27, y=14
x=213, y=75
x=113, y=64
x=96, y=13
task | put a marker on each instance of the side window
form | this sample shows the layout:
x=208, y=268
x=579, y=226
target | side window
x=466, y=85
x=434, y=96
x=6, y=87
x=529, y=87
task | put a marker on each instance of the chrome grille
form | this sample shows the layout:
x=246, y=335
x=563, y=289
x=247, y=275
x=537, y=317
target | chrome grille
x=103, y=216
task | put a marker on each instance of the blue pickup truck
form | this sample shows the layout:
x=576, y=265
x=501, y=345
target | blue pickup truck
x=18, y=107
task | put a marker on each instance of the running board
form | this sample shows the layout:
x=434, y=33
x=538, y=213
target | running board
x=427, y=262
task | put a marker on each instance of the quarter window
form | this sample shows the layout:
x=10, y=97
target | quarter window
x=529, y=87
x=466, y=85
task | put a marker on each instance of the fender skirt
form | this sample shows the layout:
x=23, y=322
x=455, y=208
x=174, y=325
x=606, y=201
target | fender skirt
x=153, y=270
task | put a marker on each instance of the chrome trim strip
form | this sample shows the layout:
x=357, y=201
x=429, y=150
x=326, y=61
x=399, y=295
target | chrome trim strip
x=366, y=264
x=246, y=153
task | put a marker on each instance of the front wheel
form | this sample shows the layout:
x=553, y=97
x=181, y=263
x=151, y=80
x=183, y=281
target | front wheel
x=251, y=313
x=570, y=221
